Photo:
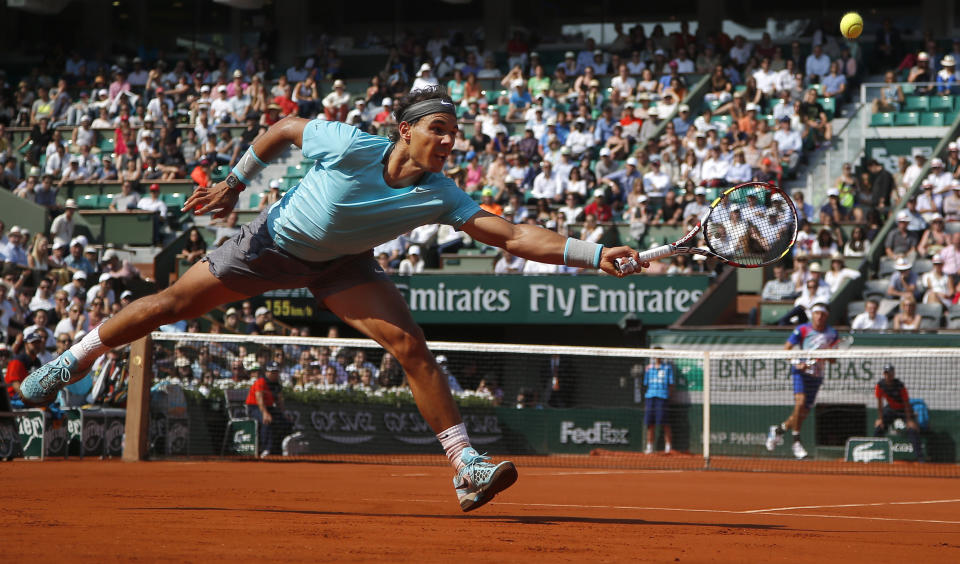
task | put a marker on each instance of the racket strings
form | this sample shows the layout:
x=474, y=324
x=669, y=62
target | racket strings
x=751, y=225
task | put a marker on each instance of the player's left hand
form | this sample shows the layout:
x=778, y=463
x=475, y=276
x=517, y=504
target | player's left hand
x=609, y=256
x=218, y=197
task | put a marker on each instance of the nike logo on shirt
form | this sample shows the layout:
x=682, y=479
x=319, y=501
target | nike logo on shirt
x=420, y=190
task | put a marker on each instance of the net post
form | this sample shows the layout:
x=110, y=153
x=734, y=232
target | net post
x=137, y=426
x=706, y=410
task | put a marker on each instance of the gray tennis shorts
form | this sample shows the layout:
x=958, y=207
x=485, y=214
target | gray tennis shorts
x=251, y=263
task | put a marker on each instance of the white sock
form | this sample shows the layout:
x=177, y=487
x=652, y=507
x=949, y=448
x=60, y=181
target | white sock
x=89, y=348
x=453, y=441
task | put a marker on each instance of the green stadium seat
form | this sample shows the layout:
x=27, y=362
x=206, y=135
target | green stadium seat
x=106, y=145
x=105, y=201
x=881, y=119
x=949, y=117
x=714, y=104
x=289, y=183
x=724, y=120
x=906, y=119
x=941, y=103
x=219, y=173
x=174, y=201
x=254, y=200
x=908, y=89
x=88, y=202
x=81, y=190
x=297, y=170
x=829, y=106
x=931, y=119
x=916, y=104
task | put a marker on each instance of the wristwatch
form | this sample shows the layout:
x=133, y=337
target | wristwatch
x=234, y=183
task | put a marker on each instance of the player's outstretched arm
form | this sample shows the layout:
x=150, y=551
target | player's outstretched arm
x=223, y=196
x=535, y=243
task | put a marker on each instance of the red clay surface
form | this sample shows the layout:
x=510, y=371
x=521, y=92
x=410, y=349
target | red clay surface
x=220, y=511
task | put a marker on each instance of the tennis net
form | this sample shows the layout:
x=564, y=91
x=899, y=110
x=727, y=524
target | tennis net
x=347, y=400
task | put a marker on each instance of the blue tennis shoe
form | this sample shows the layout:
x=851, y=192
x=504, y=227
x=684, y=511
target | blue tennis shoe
x=479, y=481
x=41, y=386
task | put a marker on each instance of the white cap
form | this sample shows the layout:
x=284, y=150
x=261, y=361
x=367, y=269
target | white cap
x=516, y=83
x=275, y=183
x=815, y=267
x=569, y=55
x=339, y=82
x=413, y=250
x=833, y=192
x=387, y=101
x=632, y=161
x=104, y=277
x=79, y=275
x=751, y=107
x=700, y=191
x=903, y=264
x=937, y=259
x=261, y=311
x=598, y=193
x=423, y=68
x=441, y=359
x=936, y=161
x=952, y=146
x=70, y=204
x=14, y=230
x=109, y=255
x=90, y=249
x=684, y=108
x=605, y=152
x=79, y=240
x=205, y=88
x=126, y=294
x=653, y=112
x=903, y=215
x=221, y=88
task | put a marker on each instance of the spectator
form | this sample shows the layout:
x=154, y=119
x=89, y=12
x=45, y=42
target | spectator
x=33, y=356
x=824, y=244
x=900, y=242
x=61, y=229
x=195, y=247
x=13, y=252
x=127, y=200
x=780, y=287
x=921, y=73
x=789, y=143
x=200, y=175
x=834, y=83
x=951, y=203
x=907, y=319
x=153, y=203
x=891, y=96
x=904, y=283
x=814, y=117
x=858, y=245
x=947, y=77
x=813, y=293
x=939, y=287
x=839, y=273
x=870, y=319
x=599, y=207
x=425, y=78
x=817, y=64
x=934, y=239
x=43, y=297
x=413, y=263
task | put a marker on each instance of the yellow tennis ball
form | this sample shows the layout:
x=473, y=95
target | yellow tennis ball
x=851, y=25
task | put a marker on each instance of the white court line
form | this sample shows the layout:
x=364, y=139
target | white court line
x=558, y=473
x=719, y=511
x=853, y=505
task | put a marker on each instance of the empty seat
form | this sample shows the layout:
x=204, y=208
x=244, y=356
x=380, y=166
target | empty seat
x=941, y=103
x=881, y=119
x=931, y=313
x=916, y=103
x=875, y=289
x=906, y=119
x=886, y=268
x=88, y=202
x=931, y=119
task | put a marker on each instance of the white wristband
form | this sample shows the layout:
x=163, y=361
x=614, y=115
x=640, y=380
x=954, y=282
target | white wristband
x=582, y=254
x=248, y=166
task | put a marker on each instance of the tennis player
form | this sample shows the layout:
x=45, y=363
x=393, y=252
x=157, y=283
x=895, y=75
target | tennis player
x=807, y=376
x=363, y=191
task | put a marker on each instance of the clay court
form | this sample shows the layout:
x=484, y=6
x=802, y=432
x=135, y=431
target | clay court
x=229, y=511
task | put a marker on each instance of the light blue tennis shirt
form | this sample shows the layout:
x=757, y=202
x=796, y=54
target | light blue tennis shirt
x=344, y=207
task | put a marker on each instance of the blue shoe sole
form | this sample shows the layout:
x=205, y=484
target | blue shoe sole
x=503, y=477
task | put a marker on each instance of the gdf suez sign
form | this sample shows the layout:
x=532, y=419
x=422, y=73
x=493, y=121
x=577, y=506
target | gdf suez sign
x=868, y=449
x=601, y=433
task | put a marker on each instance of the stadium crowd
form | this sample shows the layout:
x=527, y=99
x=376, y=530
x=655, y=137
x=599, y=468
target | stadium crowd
x=604, y=136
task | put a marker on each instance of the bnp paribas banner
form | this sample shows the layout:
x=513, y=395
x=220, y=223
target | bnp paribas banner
x=657, y=300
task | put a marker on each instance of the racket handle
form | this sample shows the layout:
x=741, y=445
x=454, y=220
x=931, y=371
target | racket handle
x=628, y=266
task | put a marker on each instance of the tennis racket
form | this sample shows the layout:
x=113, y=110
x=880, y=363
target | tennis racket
x=748, y=226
